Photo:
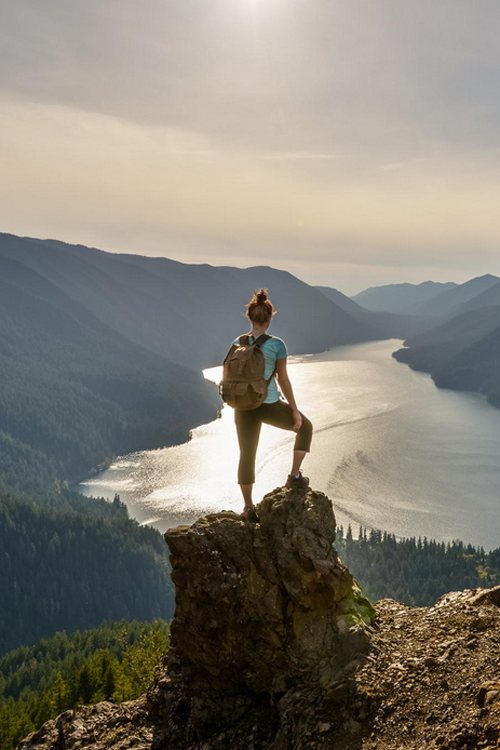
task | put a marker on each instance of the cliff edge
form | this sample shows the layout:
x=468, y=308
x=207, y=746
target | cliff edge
x=274, y=647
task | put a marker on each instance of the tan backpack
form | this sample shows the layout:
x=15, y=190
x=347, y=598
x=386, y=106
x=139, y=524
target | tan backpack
x=243, y=385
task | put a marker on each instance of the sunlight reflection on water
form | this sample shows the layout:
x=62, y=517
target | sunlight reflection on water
x=390, y=449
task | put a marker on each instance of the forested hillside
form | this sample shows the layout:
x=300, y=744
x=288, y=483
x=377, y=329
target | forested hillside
x=463, y=353
x=75, y=393
x=460, y=345
x=76, y=564
x=415, y=571
x=476, y=368
x=114, y=662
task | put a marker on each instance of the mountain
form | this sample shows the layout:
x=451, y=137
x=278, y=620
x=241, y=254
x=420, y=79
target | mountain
x=475, y=368
x=342, y=300
x=401, y=298
x=433, y=348
x=449, y=301
x=489, y=298
x=75, y=392
x=461, y=353
x=388, y=325
x=186, y=313
x=460, y=331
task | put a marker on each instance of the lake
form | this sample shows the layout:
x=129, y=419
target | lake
x=391, y=450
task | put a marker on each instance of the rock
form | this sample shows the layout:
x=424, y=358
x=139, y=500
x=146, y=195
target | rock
x=100, y=727
x=487, y=596
x=259, y=606
x=261, y=610
x=453, y=703
x=489, y=692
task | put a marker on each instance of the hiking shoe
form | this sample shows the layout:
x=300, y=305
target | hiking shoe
x=297, y=483
x=250, y=514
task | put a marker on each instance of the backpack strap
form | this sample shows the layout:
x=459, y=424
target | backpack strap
x=262, y=339
x=272, y=374
x=245, y=340
x=258, y=342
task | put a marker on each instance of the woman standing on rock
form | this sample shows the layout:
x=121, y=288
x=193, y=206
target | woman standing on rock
x=270, y=408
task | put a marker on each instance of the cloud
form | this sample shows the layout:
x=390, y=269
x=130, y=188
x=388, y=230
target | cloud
x=299, y=156
x=360, y=134
x=370, y=73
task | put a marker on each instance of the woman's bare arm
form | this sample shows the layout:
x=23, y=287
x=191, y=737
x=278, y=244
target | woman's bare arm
x=287, y=390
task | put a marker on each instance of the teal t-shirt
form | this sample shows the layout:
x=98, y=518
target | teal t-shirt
x=272, y=349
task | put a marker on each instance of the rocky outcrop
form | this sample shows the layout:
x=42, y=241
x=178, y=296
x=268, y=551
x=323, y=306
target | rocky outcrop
x=266, y=615
x=99, y=727
x=274, y=647
x=433, y=678
x=263, y=607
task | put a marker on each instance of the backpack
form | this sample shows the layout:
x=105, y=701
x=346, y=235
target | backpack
x=243, y=385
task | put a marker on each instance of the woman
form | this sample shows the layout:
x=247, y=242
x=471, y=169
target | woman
x=285, y=414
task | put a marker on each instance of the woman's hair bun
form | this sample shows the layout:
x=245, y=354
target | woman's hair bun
x=260, y=309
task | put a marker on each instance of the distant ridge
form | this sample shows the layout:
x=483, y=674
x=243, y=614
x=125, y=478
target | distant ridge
x=488, y=298
x=400, y=298
x=187, y=313
x=342, y=300
x=388, y=324
x=448, y=302
x=462, y=353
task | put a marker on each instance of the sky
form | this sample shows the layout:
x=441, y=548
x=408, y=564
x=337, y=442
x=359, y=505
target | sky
x=351, y=142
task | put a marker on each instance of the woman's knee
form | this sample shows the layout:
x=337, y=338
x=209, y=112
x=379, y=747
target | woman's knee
x=307, y=425
x=304, y=435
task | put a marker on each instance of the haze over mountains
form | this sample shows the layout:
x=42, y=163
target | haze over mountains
x=187, y=313
x=452, y=301
x=400, y=298
x=388, y=324
x=459, y=332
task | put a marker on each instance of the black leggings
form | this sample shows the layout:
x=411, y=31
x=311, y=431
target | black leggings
x=248, y=424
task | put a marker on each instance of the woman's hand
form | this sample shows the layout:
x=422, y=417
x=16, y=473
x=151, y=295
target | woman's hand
x=297, y=420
